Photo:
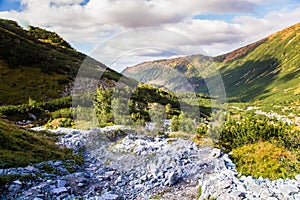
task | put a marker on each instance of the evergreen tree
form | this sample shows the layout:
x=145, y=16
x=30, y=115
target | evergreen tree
x=102, y=105
x=157, y=114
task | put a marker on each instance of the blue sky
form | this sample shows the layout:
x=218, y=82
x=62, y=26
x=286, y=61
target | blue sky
x=214, y=27
x=7, y=5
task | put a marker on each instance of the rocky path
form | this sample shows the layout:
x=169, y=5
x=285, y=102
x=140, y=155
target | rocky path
x=141, y=167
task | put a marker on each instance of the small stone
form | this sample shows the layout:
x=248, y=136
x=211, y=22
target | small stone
x=109, y=196
x=57, y=163
x=297, y=177
x=241, y=188
x=237, y=194
x=215, y=153
x=30, y=168
x=160, y=174
x=14, y=188
x=172, y=178
x=61, y=183
x=139, y=187
x=58, y=191
x=265, y=193
x=225, y=185
x=271, y=198
x=119, y=179
x=288, y=189
x=110, y=173
x=83, y=180
x=18, y=182
x=80, y=184
x=145, y=178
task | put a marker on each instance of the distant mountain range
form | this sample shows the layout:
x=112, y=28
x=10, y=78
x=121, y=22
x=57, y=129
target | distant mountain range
x=265, y=70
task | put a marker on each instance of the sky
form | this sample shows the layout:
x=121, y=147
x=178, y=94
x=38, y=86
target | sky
x=123, y=33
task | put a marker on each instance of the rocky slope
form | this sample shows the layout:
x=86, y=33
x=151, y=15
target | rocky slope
x=141, y=167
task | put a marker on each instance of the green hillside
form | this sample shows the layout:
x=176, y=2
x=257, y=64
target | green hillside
x=39, y=64
x=20, y=147
x=270, y=71
x=265, y=70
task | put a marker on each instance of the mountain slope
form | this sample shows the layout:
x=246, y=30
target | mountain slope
x=268, y=69
x=39, y=64
x=179, y=74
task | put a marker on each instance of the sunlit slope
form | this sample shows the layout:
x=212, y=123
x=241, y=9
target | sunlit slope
x=39, y=64
x=265, y=70
x=270, y=71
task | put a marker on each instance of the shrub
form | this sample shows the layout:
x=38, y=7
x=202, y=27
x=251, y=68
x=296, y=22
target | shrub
x=251, y=129
x=174, y=123
x=266, y=160
x=63, y=113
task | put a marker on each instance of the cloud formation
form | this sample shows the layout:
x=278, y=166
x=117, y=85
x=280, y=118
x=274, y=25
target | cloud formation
x=94, y=21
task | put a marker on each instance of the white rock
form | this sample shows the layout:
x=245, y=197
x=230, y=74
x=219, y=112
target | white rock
x=297, y=177
x=60, y=190
x=215, y=153
x=109, y=197
x=288, y=189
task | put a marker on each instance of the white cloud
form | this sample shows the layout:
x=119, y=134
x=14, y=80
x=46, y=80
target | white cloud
x=98, y=20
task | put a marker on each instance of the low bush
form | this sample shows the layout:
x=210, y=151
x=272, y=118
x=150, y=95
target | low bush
x=63, y=113
x=254, y=128
x=266, y=160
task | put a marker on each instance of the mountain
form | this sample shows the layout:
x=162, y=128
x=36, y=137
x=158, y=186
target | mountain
x=268, y=69
x=39, y=64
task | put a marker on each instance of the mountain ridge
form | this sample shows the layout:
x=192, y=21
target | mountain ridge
x=243, y=70
x=39, y=64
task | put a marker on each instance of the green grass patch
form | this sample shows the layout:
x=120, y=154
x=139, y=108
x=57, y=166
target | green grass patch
x=266, y=160
x=20, y=147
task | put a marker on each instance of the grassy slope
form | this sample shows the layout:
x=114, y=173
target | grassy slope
x=19, y=147
x=38, y=64
x=268, y=69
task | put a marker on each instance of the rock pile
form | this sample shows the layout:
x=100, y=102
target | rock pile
x=138, y=167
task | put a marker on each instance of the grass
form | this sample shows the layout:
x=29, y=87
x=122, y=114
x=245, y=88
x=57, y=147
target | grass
x=18, y=84
x=266, y=160
x=267, y=72
x=39, y=64
x=20, y=147
x=180, y=134
x=199, y=192
x=159, y=194
x=5, y=179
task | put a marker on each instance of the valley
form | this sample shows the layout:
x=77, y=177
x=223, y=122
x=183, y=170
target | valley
x=72, y=128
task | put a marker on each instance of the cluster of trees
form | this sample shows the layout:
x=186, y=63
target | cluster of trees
x=127, y=106
x=145, y=103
